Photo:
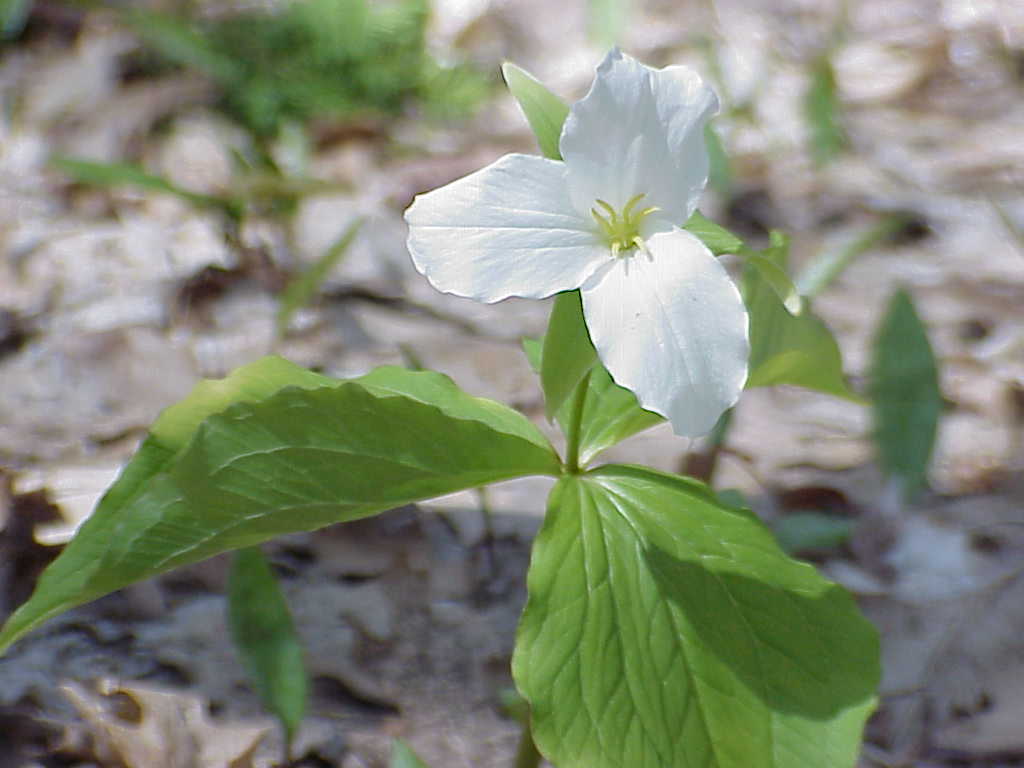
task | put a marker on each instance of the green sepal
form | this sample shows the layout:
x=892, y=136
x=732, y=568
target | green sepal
x=785, y=348
x=610, y=413
x=568, y=352
x=717, y=238
x=544, y=111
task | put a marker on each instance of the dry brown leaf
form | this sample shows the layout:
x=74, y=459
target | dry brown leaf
x=141, y=726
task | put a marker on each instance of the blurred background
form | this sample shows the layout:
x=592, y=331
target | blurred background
x=187, y=186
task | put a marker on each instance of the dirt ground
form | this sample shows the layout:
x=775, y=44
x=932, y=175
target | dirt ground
x=114, y=302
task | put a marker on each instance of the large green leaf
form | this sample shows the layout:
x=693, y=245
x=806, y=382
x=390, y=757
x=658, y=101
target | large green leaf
x=786, y=348
x=278, y=461
x=568, y=351
x=905, y=393
x=610, y=413
x=544, y=111
x=264, y=634
x=664, y=630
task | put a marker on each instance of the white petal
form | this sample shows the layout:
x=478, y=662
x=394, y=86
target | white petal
x=639, y=130
x=671, y=327
x=508, y=229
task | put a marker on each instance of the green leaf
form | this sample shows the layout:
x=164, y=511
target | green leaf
x=802, y=531
x=610, y=413
x=663, y=629
x=13, y=17
x=301, y=289
x=177, y=424
x=120, y=174
x=181, y=42
x=544, y=111
x=785, y=348
x=721, y=241
x=568, y=351
x=905, y=393
x=829, y=264
x=264, y=635
x=338, y=59
x=823, y=112
x=250, y=383
x=717, y=238
x=288, y=460
x=402, y=756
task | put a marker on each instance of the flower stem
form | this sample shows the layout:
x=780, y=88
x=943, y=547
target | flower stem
x=572, y=450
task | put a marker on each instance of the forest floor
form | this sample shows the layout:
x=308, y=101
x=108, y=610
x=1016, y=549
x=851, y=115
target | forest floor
x=115, y=302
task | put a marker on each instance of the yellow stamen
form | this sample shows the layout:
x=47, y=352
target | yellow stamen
x=621, y=231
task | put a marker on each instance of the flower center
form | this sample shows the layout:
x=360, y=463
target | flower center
x=621, y=231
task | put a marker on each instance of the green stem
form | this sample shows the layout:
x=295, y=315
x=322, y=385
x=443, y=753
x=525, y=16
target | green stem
x=572, y=450
x=527, y=755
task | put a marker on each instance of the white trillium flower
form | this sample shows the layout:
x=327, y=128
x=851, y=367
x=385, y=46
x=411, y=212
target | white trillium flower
x=666, y=319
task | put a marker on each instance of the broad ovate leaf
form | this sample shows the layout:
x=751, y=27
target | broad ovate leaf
x=288, y=460
x=177, y=424
x=665, y=630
